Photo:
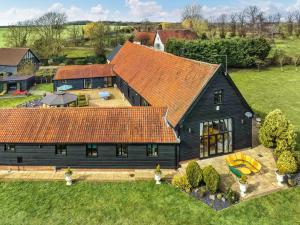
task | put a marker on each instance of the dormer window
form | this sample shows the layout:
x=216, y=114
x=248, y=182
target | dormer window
x=218, y=97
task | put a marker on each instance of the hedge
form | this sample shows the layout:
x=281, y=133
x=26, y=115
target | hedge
x=241, y=52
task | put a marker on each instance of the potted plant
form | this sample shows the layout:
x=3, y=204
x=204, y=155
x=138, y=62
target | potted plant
x=243, y=185
x=68, y=176
x=157, y=176
x=286, y=164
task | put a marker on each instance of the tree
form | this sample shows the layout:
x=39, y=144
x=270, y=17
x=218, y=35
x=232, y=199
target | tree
x=233, y=24
x=280, y=54
x=98, y=38
x=297, y=19
x=296, y=60
x=252, y=13
x=222, y=20
x=287, y=163
x=76, y=34
x=277, y=132
x=198, y=26
x=192, y=12
x=194, y=174
x=27, y=69
x=242, y=23
x=49, y=29
x=18, y=35
x=290, y=23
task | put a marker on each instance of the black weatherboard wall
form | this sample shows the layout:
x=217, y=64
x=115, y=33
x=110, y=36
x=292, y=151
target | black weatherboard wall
x=204, y=110
x=44, y=155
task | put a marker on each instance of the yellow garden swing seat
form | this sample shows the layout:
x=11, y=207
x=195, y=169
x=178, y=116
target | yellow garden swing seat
x=241, y=159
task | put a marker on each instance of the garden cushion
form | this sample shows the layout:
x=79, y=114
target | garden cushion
x=242, y=159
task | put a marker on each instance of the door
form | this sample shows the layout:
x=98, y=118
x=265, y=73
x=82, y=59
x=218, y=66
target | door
x=87, y=83
x=215, y=138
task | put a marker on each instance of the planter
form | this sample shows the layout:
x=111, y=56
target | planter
x=243, y=189
x=280, y=178
x=68, y=179
x=157, y=178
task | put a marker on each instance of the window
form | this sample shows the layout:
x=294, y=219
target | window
x=144, y=102
x=19, y=159
x=122, y=151
x=92, y=151
x=152, y=150
x=64, y=81
x=218, y=97
x=61, y=150
x=87, y=83
x=9, y=148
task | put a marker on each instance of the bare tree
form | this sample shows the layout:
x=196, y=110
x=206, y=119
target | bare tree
x=297, y=19
x=290, y=23
x=261, y=23
x=76, y=34
x=18, y=35
x=252, y=13
x=192, y=12
x=233, y=24
x=242, y=24
x=222, y=21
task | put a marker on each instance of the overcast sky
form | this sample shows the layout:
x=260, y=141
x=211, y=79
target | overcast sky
x=12, y=11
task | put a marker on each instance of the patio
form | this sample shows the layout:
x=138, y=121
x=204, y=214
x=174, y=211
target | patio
x=258, y=184
x=116, y=99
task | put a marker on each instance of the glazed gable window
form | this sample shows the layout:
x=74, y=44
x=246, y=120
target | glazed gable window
x=218, y=97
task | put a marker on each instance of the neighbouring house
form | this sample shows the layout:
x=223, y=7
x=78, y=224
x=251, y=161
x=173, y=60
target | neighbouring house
x=144, y=38
x=85, y=76
x=9, y=83
x=182, y=110
x=12, y=59
x=163, y=36
x=159, y=39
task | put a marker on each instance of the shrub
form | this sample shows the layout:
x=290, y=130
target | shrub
x=211, y=178
x=158, y=170
x=181, y=182
x=287, y=163
x=296, y=155
x=194, y=174
x=202, y=191
x=231, y=196
x=241, y=52
x=277, y=132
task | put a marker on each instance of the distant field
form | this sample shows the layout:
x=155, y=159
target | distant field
x=291, y=46
x=2, y=38
x=78, y=52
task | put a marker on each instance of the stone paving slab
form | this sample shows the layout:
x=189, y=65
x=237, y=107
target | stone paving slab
x=259, y=184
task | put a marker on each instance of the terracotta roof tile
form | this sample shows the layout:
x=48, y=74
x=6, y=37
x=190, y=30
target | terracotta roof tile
x=165, y=35
x=84, y=71
x=85, y=125
x=148, y=37
x=12, y=56
x=163, y=79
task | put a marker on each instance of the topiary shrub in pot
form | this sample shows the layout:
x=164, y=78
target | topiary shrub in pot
x=277, y=132
x=157, y=174
x=181, y=182
x=194, y=174
x=211, y=178
x=286, y=164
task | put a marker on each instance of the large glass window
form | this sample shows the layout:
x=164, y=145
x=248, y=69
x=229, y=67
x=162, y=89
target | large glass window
x=61, y=150
x=218, y=97
x=152, y=150
x=91, y=151
x=215, y=137
x=122, y=151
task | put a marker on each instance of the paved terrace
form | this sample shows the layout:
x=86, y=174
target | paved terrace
x=259, y=184
x=117, y=99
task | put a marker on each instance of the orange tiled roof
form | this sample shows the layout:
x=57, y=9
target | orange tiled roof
x=149, y=37
x=85, y=125
x=165, y=35
x=84, y=71
x=12, y=56
x=163, y=79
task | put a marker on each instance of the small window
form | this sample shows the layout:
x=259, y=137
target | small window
x=152, y=150
x=92, y=151
x=61, y=150
x=218, y=97
x=64, y=81
x=144, y=102
x=41, y=146
x=122, y=151
x=9, y=148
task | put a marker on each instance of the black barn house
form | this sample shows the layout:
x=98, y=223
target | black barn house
x=203, y=115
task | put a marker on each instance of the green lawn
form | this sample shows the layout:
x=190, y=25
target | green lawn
x=78, y=52
x=43, y=87
x=133, y=203
x=271, y=89
x=15, y=101
x=290, y=45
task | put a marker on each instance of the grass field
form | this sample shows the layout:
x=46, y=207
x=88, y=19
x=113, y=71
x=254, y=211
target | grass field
x=133, y=203
x=291, y=46
x=43, y=87
x=13, y=102
x=78, y=52
x=271, y=89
